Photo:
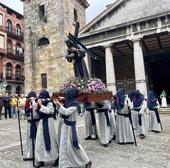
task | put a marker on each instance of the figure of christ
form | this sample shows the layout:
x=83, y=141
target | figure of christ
x=75, y=55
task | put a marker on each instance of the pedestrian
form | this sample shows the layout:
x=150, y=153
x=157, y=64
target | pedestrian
x=13, y=104
x=154, y=118
x=163, y=99
x=71, y=153
x=104, y=122
x=33, y=120
x=46, y=146
x=124, y=129
x=1, y=104
x=21, y=105
x=7, y=107
x=90, y=121
x=138, y=109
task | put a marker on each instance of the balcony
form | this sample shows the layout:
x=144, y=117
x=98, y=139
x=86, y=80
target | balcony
x=16, y=56
x=13, y=78
x=13, y=33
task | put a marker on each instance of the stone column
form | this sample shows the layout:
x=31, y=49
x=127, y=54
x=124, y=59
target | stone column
x=110, y=71
x=140, y=77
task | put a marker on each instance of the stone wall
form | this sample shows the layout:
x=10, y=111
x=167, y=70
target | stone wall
x=49, y=58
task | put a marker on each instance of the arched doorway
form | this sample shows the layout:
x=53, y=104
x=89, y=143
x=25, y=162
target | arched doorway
x=8, y=89
x=18, y=90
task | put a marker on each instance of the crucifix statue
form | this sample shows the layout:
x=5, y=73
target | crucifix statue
x=75, y=55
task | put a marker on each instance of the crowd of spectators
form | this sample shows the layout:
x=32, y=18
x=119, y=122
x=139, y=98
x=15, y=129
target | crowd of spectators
x=9, y=104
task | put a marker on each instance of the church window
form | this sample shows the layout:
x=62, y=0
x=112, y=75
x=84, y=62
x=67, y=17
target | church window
x=43, y=41
x=41, y=11
x=152, y=23
x=134, y=27
x=163, y=20
x=142, y=25
x=44, y=80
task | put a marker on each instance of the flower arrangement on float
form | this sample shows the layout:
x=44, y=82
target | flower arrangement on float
x=92, y=89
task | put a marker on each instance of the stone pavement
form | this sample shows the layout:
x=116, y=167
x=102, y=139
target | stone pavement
x=152, y=152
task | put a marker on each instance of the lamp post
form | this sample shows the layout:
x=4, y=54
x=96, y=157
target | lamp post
x=33, y=47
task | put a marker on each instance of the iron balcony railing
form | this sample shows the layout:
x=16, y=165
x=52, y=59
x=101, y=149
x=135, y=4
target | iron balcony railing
x=14, y=77
x=15, y=33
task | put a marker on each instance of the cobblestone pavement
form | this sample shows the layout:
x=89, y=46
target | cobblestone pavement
x=152, y=152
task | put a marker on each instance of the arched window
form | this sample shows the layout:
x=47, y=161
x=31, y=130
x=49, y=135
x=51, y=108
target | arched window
x=9, y=46
x=43, y=41
x=9, y=26
x=18, y=72
x=18, y=30
x=8, y=71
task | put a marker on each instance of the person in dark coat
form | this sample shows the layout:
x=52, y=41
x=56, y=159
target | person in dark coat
x=6, y=101
x=75, y=55
x=1, y=105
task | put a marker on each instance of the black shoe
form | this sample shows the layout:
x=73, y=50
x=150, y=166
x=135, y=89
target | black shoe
x=110, y=141
x=27, y=159
x=88, y=165
x=88, y=138
x=105, y=145
x=131, y=143
x=142, y=136
x=56, y=162
x=39, y=164
x=121, y=143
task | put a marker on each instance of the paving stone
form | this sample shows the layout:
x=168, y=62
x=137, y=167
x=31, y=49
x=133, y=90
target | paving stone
x=152, y=152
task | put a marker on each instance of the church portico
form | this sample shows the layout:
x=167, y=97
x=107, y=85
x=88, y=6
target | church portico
x=137, y=50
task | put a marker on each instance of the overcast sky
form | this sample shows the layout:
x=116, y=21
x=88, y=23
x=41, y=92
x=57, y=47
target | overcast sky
x=96, y=6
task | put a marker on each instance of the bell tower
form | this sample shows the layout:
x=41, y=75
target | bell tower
x=46, y=25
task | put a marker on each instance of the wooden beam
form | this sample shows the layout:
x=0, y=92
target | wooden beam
x=143, y=43
x=118, y=50
x=129, y=46
x=159, y=41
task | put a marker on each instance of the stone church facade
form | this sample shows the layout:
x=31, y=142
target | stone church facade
x=130, y=42
x=46, y=24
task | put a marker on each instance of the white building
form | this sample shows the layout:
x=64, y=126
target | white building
x=131, y=45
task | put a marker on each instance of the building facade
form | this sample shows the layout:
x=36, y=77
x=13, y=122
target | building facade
x=11, y=51
x=46, y=26
x=130, y=41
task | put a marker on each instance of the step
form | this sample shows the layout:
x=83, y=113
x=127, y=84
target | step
x=164, y=110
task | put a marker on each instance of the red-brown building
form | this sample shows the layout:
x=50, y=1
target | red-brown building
x=11, y=50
